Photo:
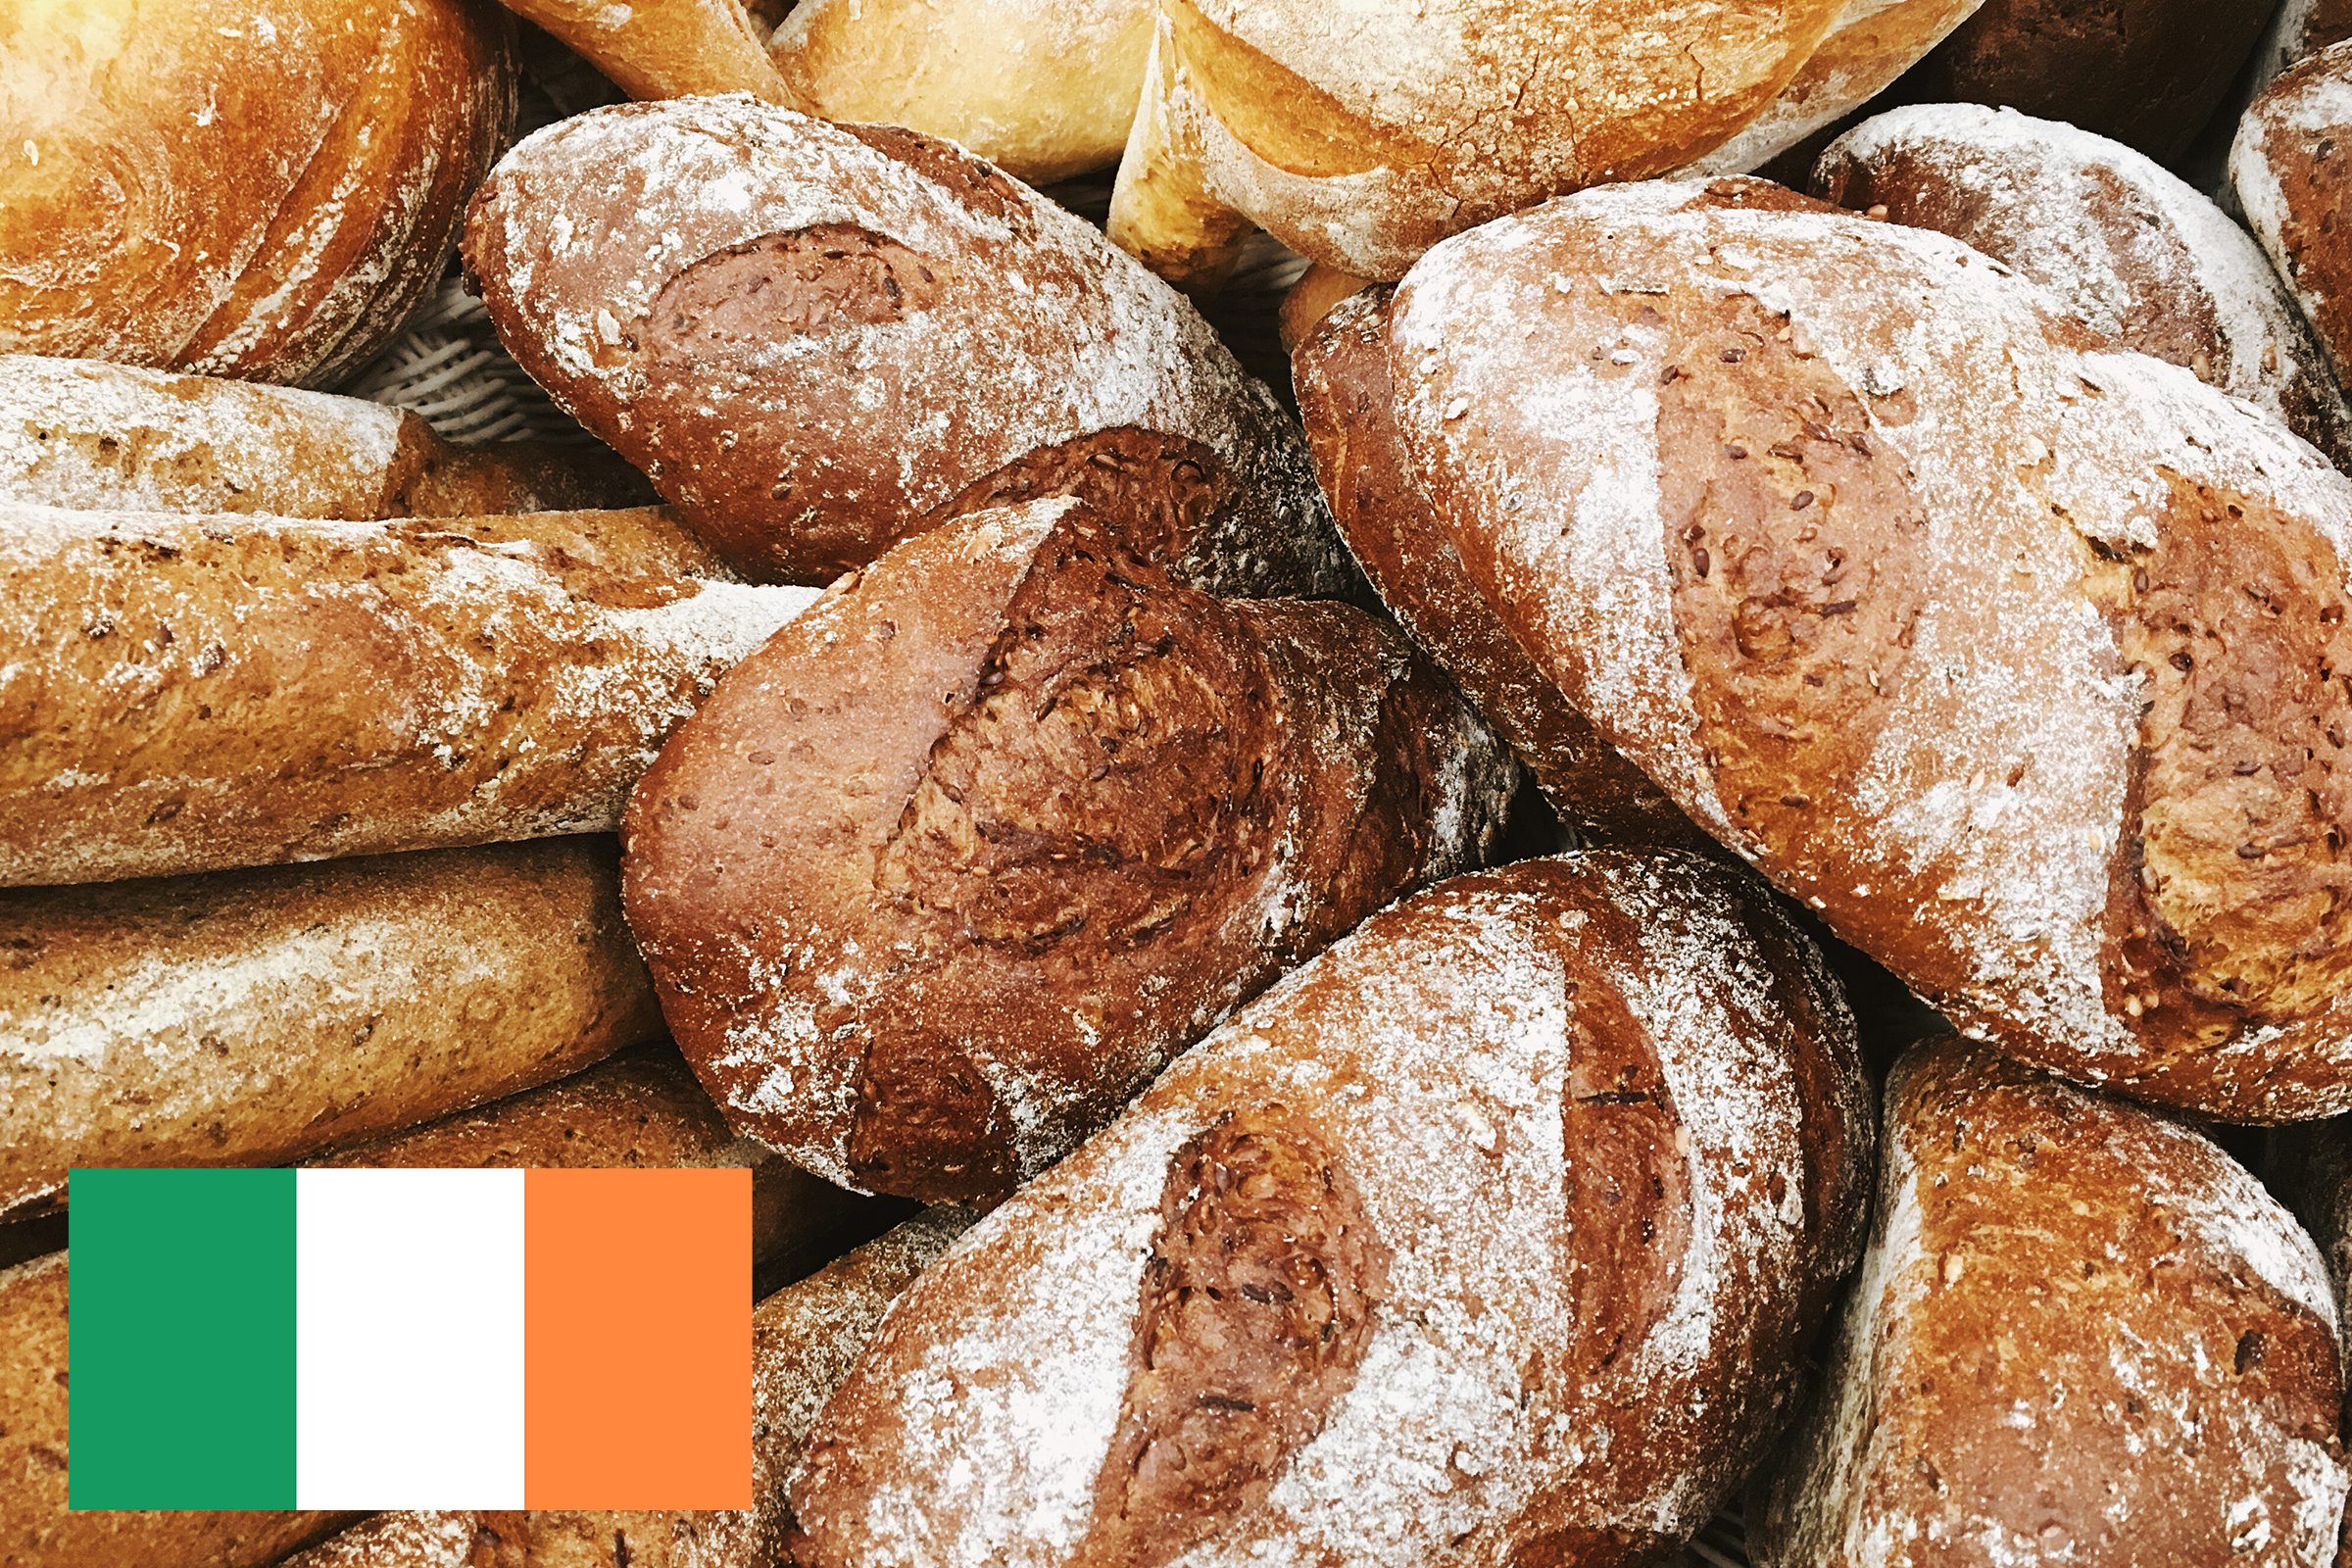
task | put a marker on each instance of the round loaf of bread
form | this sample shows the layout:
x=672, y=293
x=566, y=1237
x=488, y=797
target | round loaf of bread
x=817, y=340
x=2019, y=658
x=2132, y=248
x=256, y=188
x=939, y=878
x=2082, y=1333
x=1491, y=1236
x=2288, y=168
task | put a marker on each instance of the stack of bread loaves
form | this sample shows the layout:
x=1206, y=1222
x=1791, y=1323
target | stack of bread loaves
x=1344, y=895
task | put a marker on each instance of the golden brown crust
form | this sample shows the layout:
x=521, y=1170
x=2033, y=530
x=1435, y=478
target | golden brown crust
x=2286, y=168
x=665, y=48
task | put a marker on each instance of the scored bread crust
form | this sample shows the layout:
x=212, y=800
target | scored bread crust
x=937, y=879
x=1491, y=1235
x=2285, y=168
x=2010, y=654
x=200, y=692
x=2082, y=1333
x=818, y=339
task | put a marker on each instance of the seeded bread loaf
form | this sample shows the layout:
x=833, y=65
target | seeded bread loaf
x=189, y=693
x=664, y=48
x=256, y=188
x=941, y=877
x=818, y=339
x=86, y=434
x=2082, y=1333
x=2287, y=168
x=251, y=1017
x=2007, y=652
x=1491, y=1236
x=2129, y=248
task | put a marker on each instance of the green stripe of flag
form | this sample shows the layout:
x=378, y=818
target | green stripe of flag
x=180, y=1339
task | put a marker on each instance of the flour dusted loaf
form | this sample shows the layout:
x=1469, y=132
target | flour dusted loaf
x=2082, y=1333
x=252, y=1017
x=190, y=693
x=940, y=877
x=2289, y=169
x=257, y=189
x=1491, y=1236
x=2302, y=27
x=818, y=339
x=2009, y=652
x=1043, y=89
x=85, y=433
x=665, y=48
x=2131, y=248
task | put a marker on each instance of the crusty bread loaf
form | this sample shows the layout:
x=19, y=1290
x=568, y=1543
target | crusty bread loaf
x=664, y=48
x=259, y=188
x=2009, y=652
x=85, y=433
x=1349, y=400
x=1043, y=89
x=940, y=877
x=2287, y=169
x=252, y=1017
x=2082, y=1333
x=1491, y=1236
x=2132, y=248
x=188, y=693
x=1312, y=299
x=37, y=1529
x=820, y=339
x=2301, y=28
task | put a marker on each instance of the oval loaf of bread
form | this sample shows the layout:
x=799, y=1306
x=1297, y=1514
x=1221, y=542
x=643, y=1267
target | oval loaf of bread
x=940, y=877
x=188, y=693
x=820, y=339
x=2289, y=169
x=2020, y=658
x=1491, y=1236
x=2131, y=248
x=2302, y=27
x=2082, y=1333
x=665, y=48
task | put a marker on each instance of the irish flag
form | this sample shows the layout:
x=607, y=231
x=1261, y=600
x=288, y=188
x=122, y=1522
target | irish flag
x=410, y=1338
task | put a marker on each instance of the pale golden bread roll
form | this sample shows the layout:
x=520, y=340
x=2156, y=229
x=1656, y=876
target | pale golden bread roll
x=664, y=48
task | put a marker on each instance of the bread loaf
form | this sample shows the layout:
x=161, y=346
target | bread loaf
x=1491, y=1236
x=83, y=433
x=2082, y=1333
x=2301, y=28
x=2009, y=652
x=1044, y=91
x=37, y=1529
x=940, y=878
x=664, y=48
x=2132, y=248
x=257, y=189
x=189, y=693
x=2288, y=170
x=820, y=339
x=253, y=1017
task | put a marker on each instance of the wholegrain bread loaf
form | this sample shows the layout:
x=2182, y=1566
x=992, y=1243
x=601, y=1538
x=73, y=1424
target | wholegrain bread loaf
x=664, y=48
x=2009, y=652
x=817, y=340
x=940, y=877
x=1491, y=1236
x=2082, y=1333
x=251, y=1017
x=256, y=188
x=1042, y=90
x=2132, y=248
x=2300, y=28
x=185, y=692
x=87, y=434
x=2287, y=169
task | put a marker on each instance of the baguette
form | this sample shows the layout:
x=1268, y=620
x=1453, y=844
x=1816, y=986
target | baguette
x=2008, y=652
x=940, y=877
x=664, y=48
x=254, y=1018
x=194, y=693
x=818, y=340
x=1491, y=1236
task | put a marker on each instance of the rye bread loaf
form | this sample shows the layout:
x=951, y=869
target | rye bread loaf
x=939, y=878
x=1043, y=89
x=2132, y=250
x=36, y=1528
x=185, y=692
x=1491, y=1236
x=2289, y=169
x=664, y=48
x=252, y=1017
x=86, y=434
x=2082, y=1333
x=257, y=189
x=2015, y=656
x=818, y=339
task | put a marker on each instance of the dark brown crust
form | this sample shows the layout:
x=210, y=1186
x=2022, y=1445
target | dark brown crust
x=2297, y=141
